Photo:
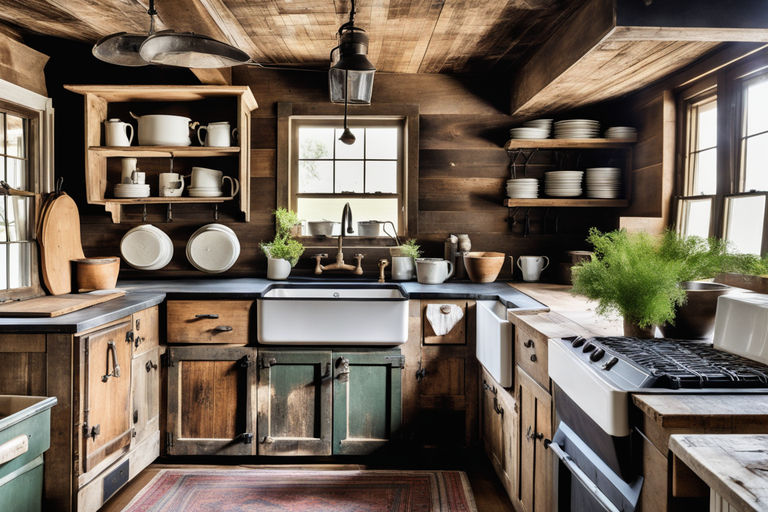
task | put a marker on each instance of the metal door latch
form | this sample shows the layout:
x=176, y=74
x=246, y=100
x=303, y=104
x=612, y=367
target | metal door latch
x=94, y=431
x=150, y=366
x=246, y=438
x=421, y=372
x=111, y=349
x=342, y=365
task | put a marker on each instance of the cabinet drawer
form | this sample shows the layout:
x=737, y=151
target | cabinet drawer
x=146, y=330
x=209, y=321
x=443, y=377
x=458, y=333
x=531, y=353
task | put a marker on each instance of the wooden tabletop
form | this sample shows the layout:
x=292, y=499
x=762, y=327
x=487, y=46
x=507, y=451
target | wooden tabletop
x=734, y=466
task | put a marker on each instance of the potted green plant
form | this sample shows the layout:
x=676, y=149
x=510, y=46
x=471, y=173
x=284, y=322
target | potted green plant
x=403, y=258
x=284, y=251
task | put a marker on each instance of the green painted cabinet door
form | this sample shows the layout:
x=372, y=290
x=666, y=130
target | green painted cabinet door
x=367, y=400
x=294, y=402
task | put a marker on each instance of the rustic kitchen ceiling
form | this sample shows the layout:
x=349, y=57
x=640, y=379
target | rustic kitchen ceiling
x=407, y=36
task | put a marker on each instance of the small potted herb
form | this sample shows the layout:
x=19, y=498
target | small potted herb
x=403, y=260
x=284, y=251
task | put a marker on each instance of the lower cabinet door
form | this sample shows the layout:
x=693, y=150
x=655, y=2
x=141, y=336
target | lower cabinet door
x=294, y=402
x=535, y=461
x=367, y=400
x=210, y=400
x=146, y=394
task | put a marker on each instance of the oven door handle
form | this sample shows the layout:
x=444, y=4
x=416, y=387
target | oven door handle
x=583, y=478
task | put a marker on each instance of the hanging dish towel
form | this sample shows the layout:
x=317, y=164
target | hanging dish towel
x=443, y=317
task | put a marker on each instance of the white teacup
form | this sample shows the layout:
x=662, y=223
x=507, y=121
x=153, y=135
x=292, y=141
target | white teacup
x=204, y=178
x=532, y=266
x=171, y=184
x=138, y=177
x=216, y=134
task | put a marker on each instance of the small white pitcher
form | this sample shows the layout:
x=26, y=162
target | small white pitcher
x=118, y=133
x=217, y=135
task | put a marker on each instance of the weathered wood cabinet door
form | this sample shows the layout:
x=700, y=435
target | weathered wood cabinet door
x=146, y=394
x=499, y=424
x=210, y=400
x=294, y=402
x=105, y=378
x=367, y=400
x=535, y=461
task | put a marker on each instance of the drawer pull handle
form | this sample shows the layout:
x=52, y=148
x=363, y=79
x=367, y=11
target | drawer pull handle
x=111, y=349
x=486, y=387
x=222, y=328
x=533, y=358
x=496, y=407
x=211, y=316
x=528, y=344
x=139, y=341
x=342, y=365
x=532, y=434
x=16, y=447
x=150, y=366
x=445, y=309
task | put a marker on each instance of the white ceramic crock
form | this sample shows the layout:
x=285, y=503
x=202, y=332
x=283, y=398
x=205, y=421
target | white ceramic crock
x=433, y=270
x=278, y=269
x=164, y=130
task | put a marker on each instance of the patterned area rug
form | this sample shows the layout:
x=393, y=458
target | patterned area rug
x=268, y=490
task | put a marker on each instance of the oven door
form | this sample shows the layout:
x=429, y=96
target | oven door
x=584, y=482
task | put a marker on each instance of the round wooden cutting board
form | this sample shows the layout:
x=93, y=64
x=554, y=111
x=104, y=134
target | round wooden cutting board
x=59, y=244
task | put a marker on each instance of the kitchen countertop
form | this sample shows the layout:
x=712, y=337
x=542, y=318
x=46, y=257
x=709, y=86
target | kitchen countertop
x=734, y=466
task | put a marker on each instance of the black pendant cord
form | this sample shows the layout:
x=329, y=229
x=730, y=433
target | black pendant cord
x=347, y=137
x=152, y=13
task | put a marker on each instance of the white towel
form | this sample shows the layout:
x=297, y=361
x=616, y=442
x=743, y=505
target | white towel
x=443, y=317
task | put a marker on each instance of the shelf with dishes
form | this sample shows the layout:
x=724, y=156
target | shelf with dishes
x=553, y=202
x=162, y=151
x=520, y=144
x=166, y=200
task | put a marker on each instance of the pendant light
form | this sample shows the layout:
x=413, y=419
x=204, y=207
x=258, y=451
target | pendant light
x=350, y=78
x=347, y=137
x=122, y=48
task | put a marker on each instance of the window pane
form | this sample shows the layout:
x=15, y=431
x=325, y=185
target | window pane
x=756, y=163
x=381, y=143
x=18, y=219
x=349, y=177
x=315, y=176
x=756, y=106
x=705, y=172
x=383, y=209
x=3, y=234
x=350, y=150
x=20, y=258
x=707, y=125
x=745, y=223
x=381, y=177
x=16, y=138
x=696, y=217
x=16, y=175
x=2, y=134
x=3, y=267
x=315, y=142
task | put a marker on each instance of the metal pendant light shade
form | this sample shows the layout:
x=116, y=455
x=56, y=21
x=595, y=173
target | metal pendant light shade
x=121, y=49
x=351, y=75
x=189, y=50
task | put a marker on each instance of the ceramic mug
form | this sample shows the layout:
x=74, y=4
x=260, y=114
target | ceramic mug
x=433, y=270
x=138, y=178
x=118, y=133
x=171, y=184
x=216, y=134
x=532, y=266
x=129, y=168
x=402, y=268
x=203, y=177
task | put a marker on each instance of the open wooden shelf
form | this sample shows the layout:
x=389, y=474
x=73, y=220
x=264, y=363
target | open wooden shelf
x=514, y=144
x=166, y=200
x=575, y=202
x=161, y=151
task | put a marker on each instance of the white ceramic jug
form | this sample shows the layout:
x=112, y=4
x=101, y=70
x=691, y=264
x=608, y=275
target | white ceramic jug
x=402, y=268
x=433, y=270
x=532, y=266
x=118, y=133
x=171, y=184
x=129, y=168
x=216, y=134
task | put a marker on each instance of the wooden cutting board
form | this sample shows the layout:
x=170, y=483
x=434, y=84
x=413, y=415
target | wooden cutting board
x=59, y=244
x=52, y=306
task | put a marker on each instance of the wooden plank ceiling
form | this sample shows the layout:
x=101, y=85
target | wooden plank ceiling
x=407, y=36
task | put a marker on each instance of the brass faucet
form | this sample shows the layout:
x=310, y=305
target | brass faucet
x=346, y=222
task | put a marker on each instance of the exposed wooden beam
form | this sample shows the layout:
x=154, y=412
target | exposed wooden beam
x=222, y=76
x=21, y=65
x=231, y=28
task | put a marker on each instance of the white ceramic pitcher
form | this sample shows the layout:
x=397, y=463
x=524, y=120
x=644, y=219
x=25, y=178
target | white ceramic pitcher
x=118, y=133
x=532, y=266
x=433, y=270
x=217, y=135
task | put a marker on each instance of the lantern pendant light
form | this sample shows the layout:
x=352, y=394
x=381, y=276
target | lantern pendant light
x=347, y=137
x=350, y=78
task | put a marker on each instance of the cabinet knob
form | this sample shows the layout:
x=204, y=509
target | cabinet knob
x=150, y=366
x=528, y=344
x=222, y=328
x=533, y=358
x=211, y=316
x=267, y=440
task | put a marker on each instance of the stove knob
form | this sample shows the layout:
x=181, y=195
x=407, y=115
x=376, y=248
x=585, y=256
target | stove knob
x=610, y=363
x=589, y=347
x=597, y=355
x=577, y=342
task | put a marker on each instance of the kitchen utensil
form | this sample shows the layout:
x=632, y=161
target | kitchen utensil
x=216, y=134
x=402, y=268
x=58, y=305
x=433, y=270
x=117, y=133
x=483, y=267
x=97, y=273
x=164, y=130
x=532, y=266
x=171, y=184
x=321, y=227
x=204, y=192
x=128, y=168
x=203, y=179
x=213, y=248
x=369, y=228
x=59, y=244
x=146, y=247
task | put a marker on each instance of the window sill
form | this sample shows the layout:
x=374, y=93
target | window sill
x=748, y=282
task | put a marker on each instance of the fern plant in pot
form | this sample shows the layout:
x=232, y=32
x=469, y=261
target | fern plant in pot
x=284, y=251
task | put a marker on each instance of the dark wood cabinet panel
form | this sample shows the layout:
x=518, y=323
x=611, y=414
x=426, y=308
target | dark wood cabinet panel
x=145, y=374
x=535, y=426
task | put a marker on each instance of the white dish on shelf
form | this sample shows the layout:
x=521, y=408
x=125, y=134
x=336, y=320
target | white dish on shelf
x=213, y=248
x=146, y=247
x=205, y=192
x=131, y=190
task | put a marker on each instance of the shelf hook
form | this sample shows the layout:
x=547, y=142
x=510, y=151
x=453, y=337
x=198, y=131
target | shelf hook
x=216, y=211
x=144, y=213
x=169, y=213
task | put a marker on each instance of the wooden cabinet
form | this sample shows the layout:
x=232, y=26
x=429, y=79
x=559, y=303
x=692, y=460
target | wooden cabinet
x=145, y=373
x=498, y=418
x=457, y=335
x=531, y=352
x=209, y=321
x=535, y=465
x=146, y=330
x=294, y=402
x=211, y=400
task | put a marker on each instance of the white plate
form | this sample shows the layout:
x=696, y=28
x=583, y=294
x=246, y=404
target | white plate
x=146, y=247
x=205, y=192
x=213, y=248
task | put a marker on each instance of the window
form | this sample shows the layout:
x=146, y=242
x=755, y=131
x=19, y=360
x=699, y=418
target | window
x=724, y=183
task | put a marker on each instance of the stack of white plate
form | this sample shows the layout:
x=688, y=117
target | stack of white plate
x=204, y=192
x=145, y=247
x=213, y=248
x=621, y=132
x=525, y=132
x=604, y=182
x=577, y=129
x=542, y=124
x=523, y=188
x=130, y=190
x=563, y=183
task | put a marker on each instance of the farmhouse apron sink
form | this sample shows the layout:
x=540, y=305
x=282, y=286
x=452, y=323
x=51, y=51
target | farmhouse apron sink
x=333, y=314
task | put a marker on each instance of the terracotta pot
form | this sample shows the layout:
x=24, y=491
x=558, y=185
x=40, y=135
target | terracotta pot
x=483, y=267
x=632, y=329
x=695, y=319
x=97, y=273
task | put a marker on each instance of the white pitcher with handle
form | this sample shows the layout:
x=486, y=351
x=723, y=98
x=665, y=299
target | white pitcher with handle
x=433, y=270
x=118, y=133
x=217, y=135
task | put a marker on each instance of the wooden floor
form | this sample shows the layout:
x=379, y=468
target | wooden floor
x=488, y=492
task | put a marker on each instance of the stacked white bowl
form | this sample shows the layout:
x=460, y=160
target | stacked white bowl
x=523, y=188
x=146, y=247
x=604, y=182
x=130, y=190
x=621, y=132
x=213, y=248
x=541, y=124
x=563, y=183
x=577, y=129
x=526, y=132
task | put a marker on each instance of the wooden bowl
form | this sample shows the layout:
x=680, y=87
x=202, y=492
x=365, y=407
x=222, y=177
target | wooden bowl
x=97, y=273
x=483, y=267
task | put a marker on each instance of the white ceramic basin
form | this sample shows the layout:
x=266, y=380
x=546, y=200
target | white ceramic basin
x=332, y=315
x=494, y=341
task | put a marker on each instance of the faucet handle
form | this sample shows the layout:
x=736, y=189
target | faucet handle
x=359, y=269
x=320, y=256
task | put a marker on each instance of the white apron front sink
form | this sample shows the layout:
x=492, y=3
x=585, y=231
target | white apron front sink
x=349, y=314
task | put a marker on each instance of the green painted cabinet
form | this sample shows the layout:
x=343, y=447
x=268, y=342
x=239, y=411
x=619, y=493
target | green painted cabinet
x=366, y=400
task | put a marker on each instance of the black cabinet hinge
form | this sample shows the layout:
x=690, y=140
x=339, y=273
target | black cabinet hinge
x=396, y=361
x=168, y=440
x=245, y=362
x=165, y=360
x=246, y=437
x=129, y=337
